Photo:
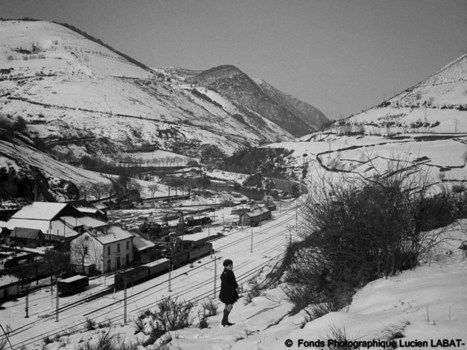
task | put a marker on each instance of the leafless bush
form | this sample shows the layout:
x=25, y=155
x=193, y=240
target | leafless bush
x=254, y=290
x=210, y=307
x=362, y=228
x=169, y=315
x=90, y=324
x=339, y=340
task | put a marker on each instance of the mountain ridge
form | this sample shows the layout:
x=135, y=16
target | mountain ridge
x=66, y=77
x=231, y=82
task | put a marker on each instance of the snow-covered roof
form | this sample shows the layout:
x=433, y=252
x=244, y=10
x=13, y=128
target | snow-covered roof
x=87, y=210
x=59, y=229
x=157, y=262
x=85, y=221
x=40, y=211
x=141, y=243
x=101, y=207
x=89, y=222
x=113, y=234
x=34, y=224
x=255, y=212
x=7, y=280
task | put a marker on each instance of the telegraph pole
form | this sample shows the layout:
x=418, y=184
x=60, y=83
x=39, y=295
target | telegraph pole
x=124, y=300
x=215, y=277
x=170, y=277
x=251, y=245
x=290, y=227
x=56, y=300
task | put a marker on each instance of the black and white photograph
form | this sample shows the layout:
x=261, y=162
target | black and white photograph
x=233, y=174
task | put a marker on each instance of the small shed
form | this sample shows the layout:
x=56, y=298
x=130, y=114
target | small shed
x=27, y=237
x=9, y=286
x=254, y=217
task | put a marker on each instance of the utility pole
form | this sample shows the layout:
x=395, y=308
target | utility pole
x=296, y=214
x=170, y=276
x=56, y=300
x=27, y=305
x=124, y=300
x=251, y=245
x=290, y=234
x=215, y=277
x=26, y=286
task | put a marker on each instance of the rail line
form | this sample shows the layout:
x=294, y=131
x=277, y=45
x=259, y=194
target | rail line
x=138, y=296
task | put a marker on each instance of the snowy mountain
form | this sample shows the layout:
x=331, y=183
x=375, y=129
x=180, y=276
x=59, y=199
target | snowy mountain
x=293, y=115
x=70, y=88
x=424, y=126
x=437, y=104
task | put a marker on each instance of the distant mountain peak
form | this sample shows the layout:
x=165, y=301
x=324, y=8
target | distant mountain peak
x=293, y=115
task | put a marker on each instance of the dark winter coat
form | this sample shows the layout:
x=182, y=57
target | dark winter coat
x=228, y=293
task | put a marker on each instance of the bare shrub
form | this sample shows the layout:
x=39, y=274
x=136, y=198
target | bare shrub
x=210, y=307
x=339, y=340
x=363, y=228
x=90, y=324
x=104, y=342
x=254, y=290
x=395, y=331
x=169, y=315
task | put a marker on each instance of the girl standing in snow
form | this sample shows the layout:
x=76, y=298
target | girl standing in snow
x=229, y=291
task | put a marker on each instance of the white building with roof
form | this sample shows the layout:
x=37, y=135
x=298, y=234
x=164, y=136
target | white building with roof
x=102, y=250
x=57, y=221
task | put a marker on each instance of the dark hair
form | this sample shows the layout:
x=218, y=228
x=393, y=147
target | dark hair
x=227, y=262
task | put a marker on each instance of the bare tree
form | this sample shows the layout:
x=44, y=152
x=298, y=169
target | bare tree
x=79, y=250
x=153, y=189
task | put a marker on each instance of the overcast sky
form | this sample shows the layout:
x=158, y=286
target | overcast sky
x=341, y=56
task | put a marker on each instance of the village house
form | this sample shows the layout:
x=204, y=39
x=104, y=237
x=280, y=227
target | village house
x=103, y=250
x=254, y=216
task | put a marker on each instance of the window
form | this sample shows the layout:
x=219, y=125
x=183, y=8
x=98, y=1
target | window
x=118, y=247
x=127, y=245
x=108, y=250
x=127, y=259
x=85, y=250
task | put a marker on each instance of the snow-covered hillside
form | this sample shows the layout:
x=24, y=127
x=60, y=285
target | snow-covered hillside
x=426, y=126
x=426, y=304
x=67, y=86
x=438, y=104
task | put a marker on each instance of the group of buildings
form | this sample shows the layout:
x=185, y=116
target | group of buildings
x=79, y=230
x=82, y=233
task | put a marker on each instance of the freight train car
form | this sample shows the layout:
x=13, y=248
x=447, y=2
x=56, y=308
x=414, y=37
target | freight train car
x=130, y=276
x=73, y=284
x=158, y=266
x=199, y=251
x=185, y=252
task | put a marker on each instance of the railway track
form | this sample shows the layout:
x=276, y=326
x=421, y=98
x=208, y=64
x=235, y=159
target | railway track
x=138, y=296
